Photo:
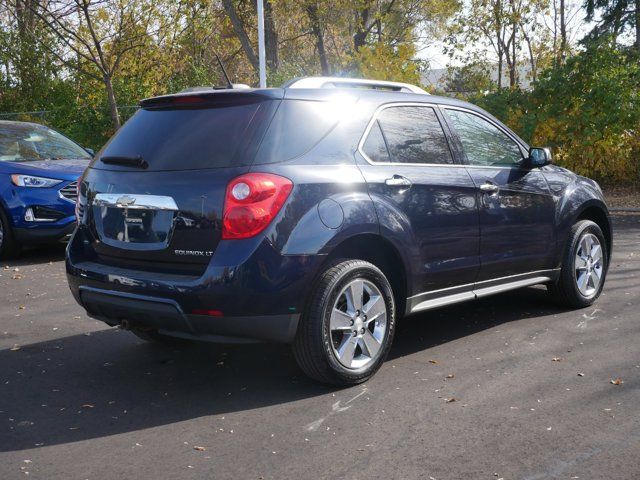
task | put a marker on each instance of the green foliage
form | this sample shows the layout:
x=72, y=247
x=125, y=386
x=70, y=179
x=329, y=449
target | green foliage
x=588, y=110
x=385, y=62
x=471, y=78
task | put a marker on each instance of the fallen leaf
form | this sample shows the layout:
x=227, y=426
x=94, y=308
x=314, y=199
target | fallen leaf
x=617, y=381
x=450, y=400
x=200, y=449
x=556, y=359
x=21, y=307
x=433, y=361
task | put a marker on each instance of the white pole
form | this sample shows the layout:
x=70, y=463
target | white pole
x=261, y=53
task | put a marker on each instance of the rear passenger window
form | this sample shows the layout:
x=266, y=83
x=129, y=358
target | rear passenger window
x=374, y=146
x=412, y=134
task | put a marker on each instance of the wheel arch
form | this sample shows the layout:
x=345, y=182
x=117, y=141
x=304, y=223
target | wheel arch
x=598, y=214
x=375, y=249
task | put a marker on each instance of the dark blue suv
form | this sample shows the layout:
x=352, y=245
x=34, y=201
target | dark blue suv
x=319, y=214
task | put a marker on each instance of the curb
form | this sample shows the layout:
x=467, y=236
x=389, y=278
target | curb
x=624, y=210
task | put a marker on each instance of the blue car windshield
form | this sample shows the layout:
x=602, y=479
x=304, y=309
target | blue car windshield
x=24, y=142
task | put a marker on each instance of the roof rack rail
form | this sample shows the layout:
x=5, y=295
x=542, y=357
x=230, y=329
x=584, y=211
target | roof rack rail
x=342, y=82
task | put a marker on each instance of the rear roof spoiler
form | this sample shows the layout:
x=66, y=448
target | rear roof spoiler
x=341, y=82
x=208, y=95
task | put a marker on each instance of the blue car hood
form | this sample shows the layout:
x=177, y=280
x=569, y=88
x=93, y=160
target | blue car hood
x=68, y=169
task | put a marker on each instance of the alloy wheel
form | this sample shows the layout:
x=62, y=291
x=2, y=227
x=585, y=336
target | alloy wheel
x=588, y=265
x=358, y=324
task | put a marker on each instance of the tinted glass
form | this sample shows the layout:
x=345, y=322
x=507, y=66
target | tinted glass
x=483, y=142
x=374, y=146
x=414, y=135
x=296, y=128
x=23, y=142
x=188, y=138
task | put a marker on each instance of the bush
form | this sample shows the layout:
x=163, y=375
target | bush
x=587, y=110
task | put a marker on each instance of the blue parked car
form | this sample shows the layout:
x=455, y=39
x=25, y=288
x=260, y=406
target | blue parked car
x=39, y=170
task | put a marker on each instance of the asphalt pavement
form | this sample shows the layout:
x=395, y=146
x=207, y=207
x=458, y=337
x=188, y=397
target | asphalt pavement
x=508, y=387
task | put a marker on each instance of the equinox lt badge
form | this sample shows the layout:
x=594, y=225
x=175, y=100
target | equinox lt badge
x=194, y=253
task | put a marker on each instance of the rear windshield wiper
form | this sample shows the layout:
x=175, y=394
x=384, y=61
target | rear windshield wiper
x=128, y=161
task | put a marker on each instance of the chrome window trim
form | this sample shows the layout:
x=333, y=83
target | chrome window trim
x=373, y=120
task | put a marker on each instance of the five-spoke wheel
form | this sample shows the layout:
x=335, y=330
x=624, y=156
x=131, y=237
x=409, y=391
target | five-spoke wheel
x=358, y=323
x=584, y=266
x=588, y=264
x=348, y=327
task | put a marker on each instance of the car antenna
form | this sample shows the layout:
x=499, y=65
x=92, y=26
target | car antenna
x=224, y=71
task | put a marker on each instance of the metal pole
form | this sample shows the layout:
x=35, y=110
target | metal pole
x=261, y=53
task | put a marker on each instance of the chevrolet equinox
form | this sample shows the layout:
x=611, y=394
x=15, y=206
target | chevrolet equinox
x=318, y=214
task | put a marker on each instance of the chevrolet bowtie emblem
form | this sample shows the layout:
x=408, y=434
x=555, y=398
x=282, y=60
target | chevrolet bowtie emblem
x=125, y=201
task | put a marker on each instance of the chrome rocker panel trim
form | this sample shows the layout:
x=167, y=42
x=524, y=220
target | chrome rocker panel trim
x=472, y=291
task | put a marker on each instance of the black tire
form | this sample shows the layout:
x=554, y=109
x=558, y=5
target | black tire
x=8, y=246
x=565, y=290
x=314, y=344
x=156, y=338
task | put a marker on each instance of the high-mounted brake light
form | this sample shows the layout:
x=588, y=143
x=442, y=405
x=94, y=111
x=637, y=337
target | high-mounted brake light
x=251, y=202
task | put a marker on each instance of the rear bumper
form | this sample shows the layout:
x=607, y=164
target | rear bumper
x=167, y=317
x=258, y=294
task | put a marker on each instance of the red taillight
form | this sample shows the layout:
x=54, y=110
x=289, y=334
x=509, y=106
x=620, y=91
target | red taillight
x=251, y=202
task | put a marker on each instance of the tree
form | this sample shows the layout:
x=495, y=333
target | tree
x=472, y=78
x=616, y=17
x=240, y=27
x=316, y=28
x=95, y=35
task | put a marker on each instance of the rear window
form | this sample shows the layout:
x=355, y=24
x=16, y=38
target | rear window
x=191, y=138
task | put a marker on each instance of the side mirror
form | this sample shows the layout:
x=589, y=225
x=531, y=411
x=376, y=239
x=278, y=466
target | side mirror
x=539, y=157
x=91, y=151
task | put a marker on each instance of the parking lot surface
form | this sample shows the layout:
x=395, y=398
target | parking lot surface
x=508, y=387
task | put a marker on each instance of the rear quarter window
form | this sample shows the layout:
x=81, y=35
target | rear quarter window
x=296, y=128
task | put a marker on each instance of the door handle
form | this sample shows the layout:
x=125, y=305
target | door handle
x=489, y=188
x=398, y=181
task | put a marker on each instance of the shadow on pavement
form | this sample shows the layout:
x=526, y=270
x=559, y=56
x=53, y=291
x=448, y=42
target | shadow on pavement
x=90, y=386
x=37, y=255
x=87, y=386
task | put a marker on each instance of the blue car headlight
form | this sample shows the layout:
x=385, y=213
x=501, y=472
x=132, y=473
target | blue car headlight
x=32, y=181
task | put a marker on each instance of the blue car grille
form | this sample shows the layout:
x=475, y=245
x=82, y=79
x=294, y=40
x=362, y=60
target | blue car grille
x=70, y=192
